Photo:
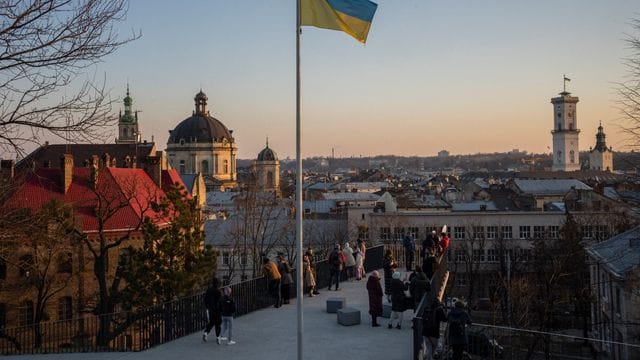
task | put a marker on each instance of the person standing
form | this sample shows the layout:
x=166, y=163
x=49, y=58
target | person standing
x=312, y=267
x=286, y=279
x=444, y=241
x=336, y=262
x=418, y=286
x=359, y=264
x=309, y=277
x=429, y=263
x=398, y=300
x=409, y=250
x=431, y=320
x=350, y=261
x=458, y=320
x=388, y=265
x=273, y=277
x=375, y=297
x=211, y=299
x=428, y=244
x=227, y=310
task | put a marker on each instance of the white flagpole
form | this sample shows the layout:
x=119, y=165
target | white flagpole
x=299, y=210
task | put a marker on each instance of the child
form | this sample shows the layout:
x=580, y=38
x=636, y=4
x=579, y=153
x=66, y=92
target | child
x=227, y=310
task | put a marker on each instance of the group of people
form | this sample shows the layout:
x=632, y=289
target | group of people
x=457, y=320
x=280, y=279
x=220, y=311
x=348, y=259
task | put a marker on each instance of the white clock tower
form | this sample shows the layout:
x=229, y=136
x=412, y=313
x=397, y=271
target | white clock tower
x=565, y=132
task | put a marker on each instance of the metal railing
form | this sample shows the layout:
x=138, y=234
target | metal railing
x=147, y=327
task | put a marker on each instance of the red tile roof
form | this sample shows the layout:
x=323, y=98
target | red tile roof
x=122, y=195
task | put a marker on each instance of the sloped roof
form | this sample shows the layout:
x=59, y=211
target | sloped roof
x=549, y=186
x=474, y=206
x=620, y=254
x=128, y=193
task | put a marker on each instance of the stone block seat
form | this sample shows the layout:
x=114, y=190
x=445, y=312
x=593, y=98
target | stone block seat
x=336, y=303
x=348, y=316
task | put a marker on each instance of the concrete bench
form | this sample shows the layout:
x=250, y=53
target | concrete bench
x=348, y=316
x=336, y=303
x=386, y=310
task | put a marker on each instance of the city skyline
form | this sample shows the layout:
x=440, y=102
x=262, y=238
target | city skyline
x=464, y=77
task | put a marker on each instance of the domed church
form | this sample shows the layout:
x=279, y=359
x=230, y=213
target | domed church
x=203, y=144
x=267, y=171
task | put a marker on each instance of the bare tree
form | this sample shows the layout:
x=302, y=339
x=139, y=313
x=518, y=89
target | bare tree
x=47, y=45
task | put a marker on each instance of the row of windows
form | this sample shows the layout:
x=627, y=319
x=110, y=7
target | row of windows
x=495, y=232
x=226, y=258
x=204, y=167
x=26, y=311
x=25, y=264
x=490, y=255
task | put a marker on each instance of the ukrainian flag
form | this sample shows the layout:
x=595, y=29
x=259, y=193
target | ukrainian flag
x=351, y=16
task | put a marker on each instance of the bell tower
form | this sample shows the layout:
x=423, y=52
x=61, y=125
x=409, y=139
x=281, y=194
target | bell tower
x=565, y=132
x=128, y=132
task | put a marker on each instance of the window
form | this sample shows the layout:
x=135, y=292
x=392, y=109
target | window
x=572, y=154
x=460, y=255
x=270, y=181
x=385, y=233
x=478, y=232
x=478, y=255
x=491, y=255
x=430, y=229
x=65, y=308
x=459, y=232
x=216, y=163
x=525, y=232
x=554, y=231
x=618, y=309
x=601, y=232
x=26, y=263
x=225, y=166
x=413, y=232
x=25, y=313
x=492, y=232
x=204, y=167
x=243, y=259
x=461, y=280
x=538, y=232
x=183, y=167
x=559, y=155
x=506, y=232
x=587, y=231
x=225, y=258
x=398, y=233
x=65, y=263
x=525, y=254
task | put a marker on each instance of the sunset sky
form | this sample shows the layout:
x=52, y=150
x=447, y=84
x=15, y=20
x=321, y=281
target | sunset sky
x=466, y=76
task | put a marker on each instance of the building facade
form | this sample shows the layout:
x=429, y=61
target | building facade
x=203, y=144
x=128, y=129
x=267, y=171
x=565, y=133
x=601, y=156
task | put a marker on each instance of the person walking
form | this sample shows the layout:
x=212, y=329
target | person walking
x=273, y=277
x=336, y=262
x=409, y=251
x=388, y=265
x=349, y=262
x=286, y=279
x=375, y=297
x=312, y=267
x=227, y=310
x=211, y=298
x=458, y=320
x=309, y=277
x=398, y=300
x=431, y=319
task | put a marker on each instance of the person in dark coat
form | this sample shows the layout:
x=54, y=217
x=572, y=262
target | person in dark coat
x=458, y=320
x=409, y=251
x=286, y=279
x=211, y=299
x=272, y=274
x=431, y=320
x=429, y=263
x=389, y=265
x=398, y=300
x=418, y=286
x=375, y=297
x=429, y=243
x=336, y=263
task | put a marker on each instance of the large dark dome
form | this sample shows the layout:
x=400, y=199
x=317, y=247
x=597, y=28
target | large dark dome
x=267, y=155
x=200, y=127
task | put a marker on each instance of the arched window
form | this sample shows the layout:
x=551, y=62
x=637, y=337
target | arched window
x=124, y=132
x=183, y=167
x=225, y=166
x=204, y=167
x=572, y=157
x=560, y=155
x=269, y=179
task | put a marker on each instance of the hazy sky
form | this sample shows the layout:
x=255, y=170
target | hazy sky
x=466, y=76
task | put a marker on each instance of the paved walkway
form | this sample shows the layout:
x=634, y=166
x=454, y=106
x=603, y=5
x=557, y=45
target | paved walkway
x=271, y=334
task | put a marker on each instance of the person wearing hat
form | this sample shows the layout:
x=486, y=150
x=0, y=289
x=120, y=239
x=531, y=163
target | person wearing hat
x=429, y=243
x=336, y=262
x=398, y=300
x=375, y=297
x=458, y=320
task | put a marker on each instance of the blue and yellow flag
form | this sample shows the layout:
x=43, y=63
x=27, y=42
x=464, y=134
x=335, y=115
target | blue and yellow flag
x=351, y=16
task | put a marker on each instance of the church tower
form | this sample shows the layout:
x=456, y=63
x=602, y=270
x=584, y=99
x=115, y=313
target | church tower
x=565, y=132
x=267, y=170
x=128, y=132
x=601, y=156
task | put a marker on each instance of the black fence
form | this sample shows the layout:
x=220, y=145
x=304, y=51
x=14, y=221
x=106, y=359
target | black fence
x=151, y=326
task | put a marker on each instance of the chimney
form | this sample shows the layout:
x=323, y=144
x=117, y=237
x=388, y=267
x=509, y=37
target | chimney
x=7, y=168
x=66, y=171
x=154, y=169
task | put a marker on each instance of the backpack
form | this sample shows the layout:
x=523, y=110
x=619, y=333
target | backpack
x=456, y=328
x=336, y=259
x=227, y=306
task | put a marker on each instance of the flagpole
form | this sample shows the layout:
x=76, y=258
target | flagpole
x=299, y=210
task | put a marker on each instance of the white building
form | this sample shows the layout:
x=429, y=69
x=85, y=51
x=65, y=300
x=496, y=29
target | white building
x=565, y=133
x=601, y=156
